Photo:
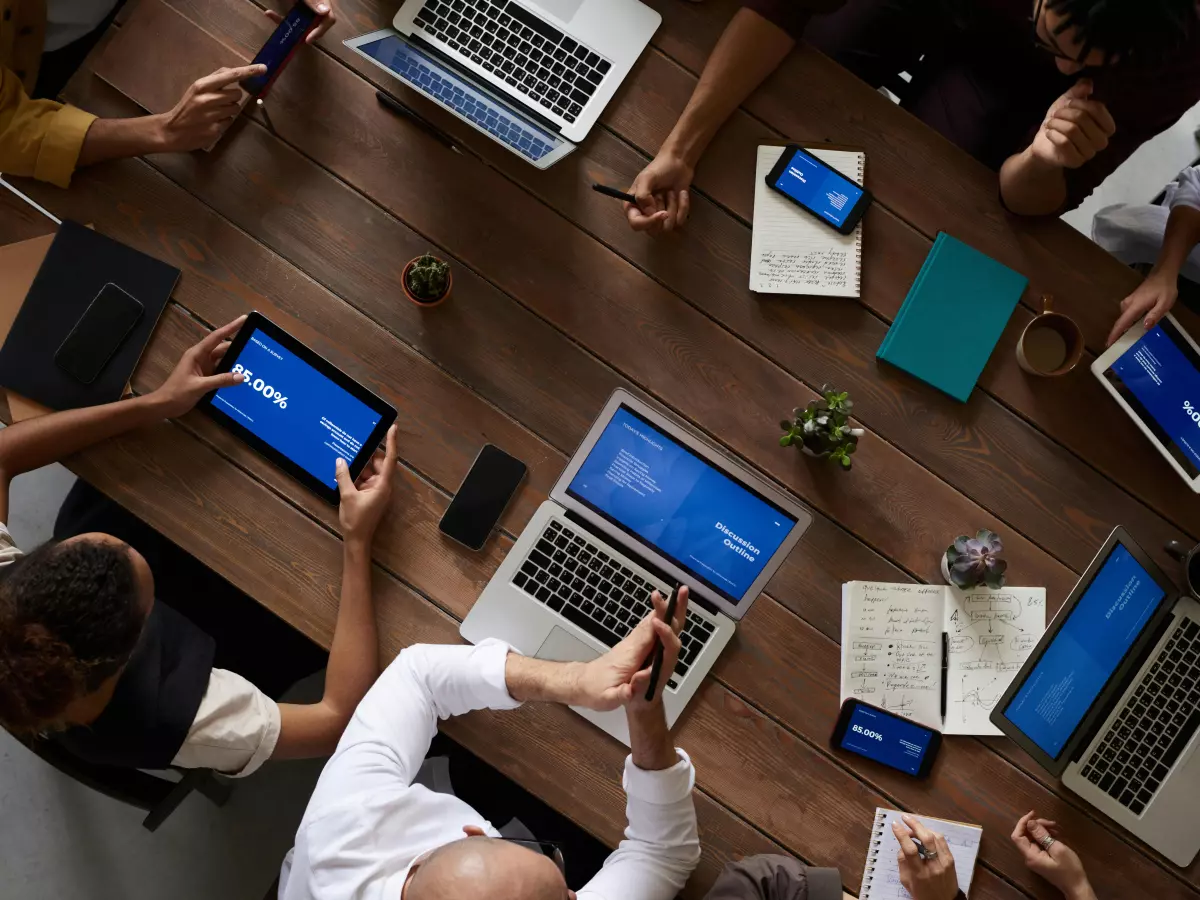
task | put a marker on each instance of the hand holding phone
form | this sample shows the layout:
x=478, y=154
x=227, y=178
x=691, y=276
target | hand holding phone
x=275, y=54
x=886, y=738
x=819, y=189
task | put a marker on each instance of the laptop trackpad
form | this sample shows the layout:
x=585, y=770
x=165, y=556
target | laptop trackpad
x=563, y=9
x=560, y=646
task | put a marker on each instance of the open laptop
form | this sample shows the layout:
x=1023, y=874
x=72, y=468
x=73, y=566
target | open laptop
x=534, y=75
x=643, y=504
x=1110, y=698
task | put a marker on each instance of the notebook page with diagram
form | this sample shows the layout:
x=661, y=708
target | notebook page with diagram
x=793, y=253
x=881, y=876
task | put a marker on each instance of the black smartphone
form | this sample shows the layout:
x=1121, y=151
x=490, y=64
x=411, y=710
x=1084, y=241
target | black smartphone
x=886, y=738
x=279, y=47
x=101, y=329
x=482, y=497
x=819, y=189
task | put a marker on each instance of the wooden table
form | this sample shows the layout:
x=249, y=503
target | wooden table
x=556, y=303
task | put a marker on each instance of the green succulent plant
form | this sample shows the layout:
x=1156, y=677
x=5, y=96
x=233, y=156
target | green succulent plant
x=427, y=278
x=823, y=427
x=975, y=561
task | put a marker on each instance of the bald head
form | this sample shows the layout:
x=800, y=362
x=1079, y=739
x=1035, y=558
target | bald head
x=485, y=867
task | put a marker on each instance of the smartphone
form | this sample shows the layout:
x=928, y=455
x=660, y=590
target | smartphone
x=886, y=738
x=482, y=497
x=280, y=46
x=98, y=334
x=819, y=189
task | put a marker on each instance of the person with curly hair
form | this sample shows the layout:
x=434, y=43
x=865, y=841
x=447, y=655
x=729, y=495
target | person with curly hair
x=1052, y=94
x=91, y=659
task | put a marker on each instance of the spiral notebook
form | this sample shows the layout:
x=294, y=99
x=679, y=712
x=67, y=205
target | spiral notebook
x=790, y=251
x=881, y=877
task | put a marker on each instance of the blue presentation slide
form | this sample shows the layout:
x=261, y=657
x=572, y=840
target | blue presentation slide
x=1159, y=374
x=891, y=741
x=674, y=500
x=1086, y=651
x=294, y=408
x=830, y=195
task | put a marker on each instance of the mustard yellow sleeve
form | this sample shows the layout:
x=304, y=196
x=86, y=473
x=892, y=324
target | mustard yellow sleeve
x=39, y=138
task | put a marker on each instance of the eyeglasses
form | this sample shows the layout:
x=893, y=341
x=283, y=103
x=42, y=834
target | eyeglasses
x=1039, y=42
x=545, y=848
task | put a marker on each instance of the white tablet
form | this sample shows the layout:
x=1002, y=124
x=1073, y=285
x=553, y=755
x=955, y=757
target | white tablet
x=1155, y=376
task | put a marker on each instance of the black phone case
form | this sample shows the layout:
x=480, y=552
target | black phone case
x=72, y=367
x=856, y=213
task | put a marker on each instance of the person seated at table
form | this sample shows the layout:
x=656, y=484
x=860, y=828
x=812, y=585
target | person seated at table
x=1053, y=94
x=43, y=42
x=1165, y=234
x=770, y=877
x=370, y=832
x=94, y=658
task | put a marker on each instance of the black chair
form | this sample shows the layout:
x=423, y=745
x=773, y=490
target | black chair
x=158, y=796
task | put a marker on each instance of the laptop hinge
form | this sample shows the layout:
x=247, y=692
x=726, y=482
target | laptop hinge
x=694, y=599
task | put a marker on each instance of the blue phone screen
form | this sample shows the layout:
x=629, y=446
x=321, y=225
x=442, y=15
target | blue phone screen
x=275, y=51
x=819, y=188
x=887, y=739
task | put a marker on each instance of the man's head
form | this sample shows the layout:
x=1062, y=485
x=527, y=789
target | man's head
x=71, y=614
x=480, y=866
x=1090, y=33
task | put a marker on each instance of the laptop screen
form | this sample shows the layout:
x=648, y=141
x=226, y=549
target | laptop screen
x=687, y=509
x=1082, y=656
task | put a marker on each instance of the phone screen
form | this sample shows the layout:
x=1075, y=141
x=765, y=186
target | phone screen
x=887, y=739
x=818, y=188
x=101, y=329
x=481, y=499
x=275, y=51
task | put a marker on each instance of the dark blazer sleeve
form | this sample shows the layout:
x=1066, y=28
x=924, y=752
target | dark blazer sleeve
x=768, y=877
x=792, y=15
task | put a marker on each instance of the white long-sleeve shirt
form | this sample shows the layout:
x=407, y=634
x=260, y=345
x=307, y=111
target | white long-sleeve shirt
x=367, y=822
x=1133, y=233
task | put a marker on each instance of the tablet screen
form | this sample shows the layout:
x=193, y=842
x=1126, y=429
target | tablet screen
x=295, y=409
x=1159, y=377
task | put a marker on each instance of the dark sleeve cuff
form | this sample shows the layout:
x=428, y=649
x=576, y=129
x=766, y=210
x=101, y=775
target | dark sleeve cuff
x=792, y=15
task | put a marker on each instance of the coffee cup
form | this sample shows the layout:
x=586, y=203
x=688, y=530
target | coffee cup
x=1190, y=557
x=1051, y=344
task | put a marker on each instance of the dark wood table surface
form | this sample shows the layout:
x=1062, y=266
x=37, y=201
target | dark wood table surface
x=555, y=304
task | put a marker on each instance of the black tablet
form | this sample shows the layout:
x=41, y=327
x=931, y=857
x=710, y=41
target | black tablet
x=295, y=408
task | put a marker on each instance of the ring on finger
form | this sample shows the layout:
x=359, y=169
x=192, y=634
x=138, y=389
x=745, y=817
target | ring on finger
x=1047, y=842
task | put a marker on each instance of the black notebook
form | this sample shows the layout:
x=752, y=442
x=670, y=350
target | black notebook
x=78, y=265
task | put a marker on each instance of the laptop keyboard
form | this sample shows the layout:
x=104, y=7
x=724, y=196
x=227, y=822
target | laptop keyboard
x=582, y=582
x=555, y=71
x=1156, y=724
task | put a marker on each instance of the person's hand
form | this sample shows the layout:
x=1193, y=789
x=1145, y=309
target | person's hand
x=321, y=7
x=193, y=376
x=364, y=503
x=618, y=678
x=663, y=200
x=1153, y=298
x=1075, y=129
x=1058, y=864
x=925, y=879
x=204, y=111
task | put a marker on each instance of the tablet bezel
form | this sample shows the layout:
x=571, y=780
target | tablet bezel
x=1115, y=352
x=256, y=321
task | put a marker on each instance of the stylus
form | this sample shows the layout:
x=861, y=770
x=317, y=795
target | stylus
x=424, y=124
x=945, y=670
x=614, y=193
x=656, y=668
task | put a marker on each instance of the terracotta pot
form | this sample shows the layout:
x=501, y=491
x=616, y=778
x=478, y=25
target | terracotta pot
x=425, y=304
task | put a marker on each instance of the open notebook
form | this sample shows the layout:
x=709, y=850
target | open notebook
x=790, y=251
x=881, y=877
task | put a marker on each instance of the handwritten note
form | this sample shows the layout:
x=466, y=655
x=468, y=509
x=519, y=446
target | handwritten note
x=892, y=648
x=881, y=877
x=793, y=253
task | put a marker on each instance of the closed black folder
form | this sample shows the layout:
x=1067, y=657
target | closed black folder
x=78, y=264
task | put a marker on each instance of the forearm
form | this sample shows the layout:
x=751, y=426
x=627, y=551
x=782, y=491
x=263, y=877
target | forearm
x=540, y=680
x=749, y=50
x=1179, y=240
x=121, y=138
x=354, y=654
x=1032, y=187
x=1082, y=892
x=650, y=743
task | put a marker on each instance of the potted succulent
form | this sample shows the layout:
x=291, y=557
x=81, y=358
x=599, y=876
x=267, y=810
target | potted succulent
x=427, y=280
x=823, y=428
x=970, y=562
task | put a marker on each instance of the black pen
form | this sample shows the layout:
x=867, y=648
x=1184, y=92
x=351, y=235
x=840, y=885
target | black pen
x=656, y=668
x=921, y=851
x=945, y=673
x=614, y=193
x=424, y=124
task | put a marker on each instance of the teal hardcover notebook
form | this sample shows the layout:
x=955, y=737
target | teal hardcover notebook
x=952, y=317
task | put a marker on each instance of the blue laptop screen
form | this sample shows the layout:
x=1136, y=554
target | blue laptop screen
x=688, y=510
x=1080, y=660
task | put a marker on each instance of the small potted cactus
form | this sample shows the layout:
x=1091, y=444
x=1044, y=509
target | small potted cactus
x=970, y=562
x=427, y=280
x=823, y=428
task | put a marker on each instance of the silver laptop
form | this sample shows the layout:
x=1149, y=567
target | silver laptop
x=533, y=75
x=644, y=504
x=1110, y=699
